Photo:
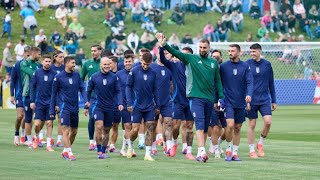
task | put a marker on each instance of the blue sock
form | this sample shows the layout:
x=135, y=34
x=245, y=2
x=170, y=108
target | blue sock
x=91, y=128
x=16, y=133
x=99, y=147
x=103, y=149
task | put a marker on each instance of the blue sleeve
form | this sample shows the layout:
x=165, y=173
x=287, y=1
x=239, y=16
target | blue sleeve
x=249, y=81
x=163, y=59
x=33, y=87
x=118, y=92
x=129, y=89
x=90, y=87
x=55, y=87
x=155, y=92
x=272, y=87
x=13, y=80
x=82, y=90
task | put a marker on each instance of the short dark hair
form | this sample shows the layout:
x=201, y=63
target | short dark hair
x=216, y=50
x=35, y=49
x=205, y=41
x=47, y=56
x=236, y=46
x=106, y=53
x=147, y=57
x=97, y=46
x=256, y=46
x=188, y=49
x=113, y=58
x=129, y=51
x=68, y=58
x=22, y=40
x=145, y=50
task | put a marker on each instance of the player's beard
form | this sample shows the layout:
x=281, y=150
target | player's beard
x=203, y=54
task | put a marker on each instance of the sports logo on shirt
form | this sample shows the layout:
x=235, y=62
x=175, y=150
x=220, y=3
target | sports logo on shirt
x=199, y=62
x=45, y=78
x=58, y=72
x=61, y=120
x=235, y=71
x=145, y=77
x=212, y=65
x=70, y=81
x=55, y=79
x=30, y=67
x=130, y=73
x=194, y=114
x=95, y=116
x=90, y=66
x=104, y=82
x=131, y=118
x=257, y=70
x=163, y=72
x=26, y=108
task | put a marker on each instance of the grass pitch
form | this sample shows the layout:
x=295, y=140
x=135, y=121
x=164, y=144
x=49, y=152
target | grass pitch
x=292, y=152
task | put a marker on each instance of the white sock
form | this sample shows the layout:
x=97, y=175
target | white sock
x=202, y=151
x=23, y=133
x=148, y=150
x=198, y=154
x=123, y=143
x=48, y=142
x=251, y=147
x=228, y=146
x=184, y=146
x=112, y=146
x=29, y=139
x=141, y=138
x=261, y=140
x=216, y=149
x=91, y=141
x=59, y=138
x=129, y=143
x=159, y=136
x=41, y=134
x=154, y=146
x=189, y=149
x=65, y=149
x=235, y=150
x=169, y=144
x=175, y=141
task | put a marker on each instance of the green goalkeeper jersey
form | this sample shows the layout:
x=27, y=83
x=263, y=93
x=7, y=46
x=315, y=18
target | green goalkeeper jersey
x=89, y=68
x=27, y=68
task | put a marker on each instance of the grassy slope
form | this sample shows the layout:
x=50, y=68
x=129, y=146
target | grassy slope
x=291, y=154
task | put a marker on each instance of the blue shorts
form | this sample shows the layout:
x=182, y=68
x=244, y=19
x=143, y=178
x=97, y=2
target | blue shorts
x=137, y=115
x=27, y=109
x=125, y=116
x=116, y=116
x=19, y=103
x=182, y=112
x=264, y=109
x=201, y=110
x=166, y=110
x=105, y=116
x=238, y=114
x=42, y=113
x=218, y=119
x=70, y=119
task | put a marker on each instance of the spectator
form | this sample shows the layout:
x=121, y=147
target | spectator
x=197, y=6
x=71, y=48
x=74, y=13
x=236, y=6
x=33, y=4
x=94, y=5
x=237, y=21
x=62, y=15
x=223, y=5
x=276, y=23
x=156, y=15
x=255, y=10
x=8, y=5
x=227, y=20
x=56, y=39
x=286, y=6
x=208, y=33
x=273, y=4
x=284, y=24
x=227, y=4
x=136, y=13
x=133, y=3
x=301, y=38
x=298, y=9
x=187, y=39
x=313, y=14
x=69, y=5
x=262, y=31
x=146, y=5
x=111, y=42
x=30, y=21
x=121, y=40
x=266, y=21
x=167, y=4
x=40, y=37
x=266, y=38
x=177, y=16
x=249, y=38
x=119, y=12
x=7, y=59
x=214, y=6
x=292, y=39
x=19, y=50
x=71, y=36
x=6, y=29
x=174, y=39
x=45, y=48
x=197, y=39
x=77, y=28
x=148, y=40
x=291, y=21
x=307, y=72
x=317, y=31
x=147, y=23
x=111, y=19
x=80, y=57
x=186, y=5
x=221, y=31
x=305, y=25
x=133, y=41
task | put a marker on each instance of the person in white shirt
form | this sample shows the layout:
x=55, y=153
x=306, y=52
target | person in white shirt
x=146, y=5
x=133, y=41
x=40, y=37
x=19, y=50
x=62, y=15
x=237, y=21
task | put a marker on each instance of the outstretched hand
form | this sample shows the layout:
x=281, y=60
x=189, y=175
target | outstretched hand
x=161, y=39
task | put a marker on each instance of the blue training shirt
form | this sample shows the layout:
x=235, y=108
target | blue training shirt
x=67, y=85
x=122, y=77
x=15, y=81
x=41, y=87
x=237, y=83
x=262, y=73
x=141, y=89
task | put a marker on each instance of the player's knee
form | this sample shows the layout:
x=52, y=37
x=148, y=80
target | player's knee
x=74, y=131
x=237, y=129
x=230, y=124
x=20, y=117
x=189, y=126
x=252, y=124
x=49, y=124
x=268, y=122
x=99, y=127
